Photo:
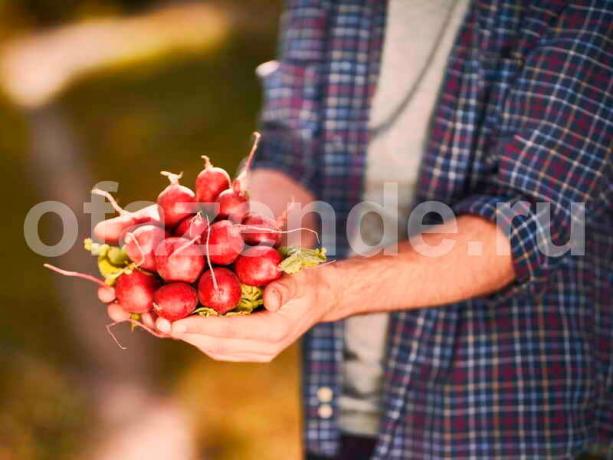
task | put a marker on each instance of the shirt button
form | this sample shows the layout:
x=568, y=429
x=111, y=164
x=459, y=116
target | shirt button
x=325, y=411
x=324, y=394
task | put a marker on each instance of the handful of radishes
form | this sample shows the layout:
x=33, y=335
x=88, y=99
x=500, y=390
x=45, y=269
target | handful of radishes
x=199, y=252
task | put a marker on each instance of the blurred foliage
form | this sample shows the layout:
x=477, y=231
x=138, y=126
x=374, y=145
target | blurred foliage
x=131, y=123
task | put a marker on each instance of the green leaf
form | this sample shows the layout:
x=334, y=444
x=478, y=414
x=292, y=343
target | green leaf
x=252, y=297
x=134, y=317
x=298, y=258
x=205, y=311
x=112, y=260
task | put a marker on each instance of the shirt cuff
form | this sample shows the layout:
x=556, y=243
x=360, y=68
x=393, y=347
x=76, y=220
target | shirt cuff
x=521, y=226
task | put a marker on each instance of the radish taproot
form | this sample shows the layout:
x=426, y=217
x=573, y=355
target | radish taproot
x=175, y=301
x=219, y=289
x=176, y=201
x=135, y=291
x=141, y=242
x=179, y=259
x=234, y=202
x=105, y=292
x=258, y=266
x=211, y=182
x=225, y=242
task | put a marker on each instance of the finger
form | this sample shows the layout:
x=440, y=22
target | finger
x=278, y=293
x=232, y=349
x=106, y=294
x=163, y=325
x=116, y=313
x=149, y=319
x=111, y=230
x=258, y=326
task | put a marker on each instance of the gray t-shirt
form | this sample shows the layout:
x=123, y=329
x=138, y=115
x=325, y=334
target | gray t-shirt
x=418, y=38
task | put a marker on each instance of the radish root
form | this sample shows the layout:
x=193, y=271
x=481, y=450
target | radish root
x=111, y=199
x=242, y=176
x=135, y=323
x=84, y=276
x=140, y=249
x=283, y=232
x=208, y=257
x=172, y=177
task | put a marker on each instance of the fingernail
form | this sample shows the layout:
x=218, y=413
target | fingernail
x=163, y=325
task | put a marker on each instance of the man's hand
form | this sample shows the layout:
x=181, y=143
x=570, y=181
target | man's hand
x=293, y=305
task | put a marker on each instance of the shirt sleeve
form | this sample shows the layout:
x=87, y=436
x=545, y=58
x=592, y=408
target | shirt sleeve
x=290, y=118
x=554, y=144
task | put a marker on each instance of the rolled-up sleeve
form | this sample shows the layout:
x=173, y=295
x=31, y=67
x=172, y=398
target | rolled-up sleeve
x=555, y=139
x=290, y=118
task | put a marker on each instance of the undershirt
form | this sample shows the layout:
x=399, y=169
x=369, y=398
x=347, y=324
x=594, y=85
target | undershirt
x=418, y=38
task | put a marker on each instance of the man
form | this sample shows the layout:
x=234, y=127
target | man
x=495, y=347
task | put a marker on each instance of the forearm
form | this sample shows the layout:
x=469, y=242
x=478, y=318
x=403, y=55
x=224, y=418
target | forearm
x=411, y=279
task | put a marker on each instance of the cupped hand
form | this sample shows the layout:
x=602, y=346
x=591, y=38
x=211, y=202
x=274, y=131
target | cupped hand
x=293, y=305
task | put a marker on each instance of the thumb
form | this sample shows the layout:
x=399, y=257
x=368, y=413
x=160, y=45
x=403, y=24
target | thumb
x=278, y=293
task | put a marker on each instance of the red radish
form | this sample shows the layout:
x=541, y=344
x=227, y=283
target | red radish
x=179, y=259
x=225, y=242
x=258, y=266
x=176, y=201
x=234, y=202
x=110, y=230
x=211, y=182
x=193, y=227
x=175, y=301
x=219, y=289
x=141, y=242
x=106, y=293
x=259, y=230
x=135, y=291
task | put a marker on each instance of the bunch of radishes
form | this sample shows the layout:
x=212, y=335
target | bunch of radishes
x=199, y=252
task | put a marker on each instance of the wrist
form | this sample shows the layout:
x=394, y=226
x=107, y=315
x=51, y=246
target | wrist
x=332, y=289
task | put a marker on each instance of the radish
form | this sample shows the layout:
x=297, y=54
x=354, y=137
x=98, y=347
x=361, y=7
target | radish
x=219, y=289
x=179, y=259
x=225, y=242
x=135, y=291
x=175, y=301
x=259, y=230
x=258, y=266
x=141, y=242
x=211, y=182
x=193, y=227
x=106, y=293
x=176, y=201
x=234, y=202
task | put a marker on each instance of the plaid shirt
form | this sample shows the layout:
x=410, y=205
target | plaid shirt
x=524, y=116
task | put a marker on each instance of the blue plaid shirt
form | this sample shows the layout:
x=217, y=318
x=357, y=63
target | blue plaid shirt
x=524, y=116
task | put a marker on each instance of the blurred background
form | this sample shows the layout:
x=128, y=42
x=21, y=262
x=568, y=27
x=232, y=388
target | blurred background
x=94, y=90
